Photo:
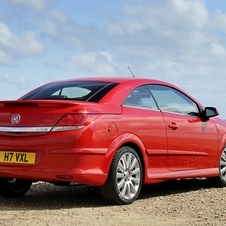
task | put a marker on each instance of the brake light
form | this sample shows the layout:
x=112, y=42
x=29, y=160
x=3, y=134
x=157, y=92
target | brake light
x=72, y=121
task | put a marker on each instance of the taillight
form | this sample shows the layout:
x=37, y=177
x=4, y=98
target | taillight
x=72, y=121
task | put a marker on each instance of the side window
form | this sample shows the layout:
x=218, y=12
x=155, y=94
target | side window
x=140, y=97
x=172, y=100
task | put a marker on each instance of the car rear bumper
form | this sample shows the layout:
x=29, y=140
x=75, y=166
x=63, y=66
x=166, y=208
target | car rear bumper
x=90, y=177
x=79, y=165
x=59, y=157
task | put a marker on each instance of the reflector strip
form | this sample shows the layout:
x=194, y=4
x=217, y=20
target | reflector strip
x=25, y=129
x=64, y=128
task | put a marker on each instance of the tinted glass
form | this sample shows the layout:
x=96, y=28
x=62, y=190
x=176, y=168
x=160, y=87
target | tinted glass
x=84, y=91
x=172, y=100
x=140, y=97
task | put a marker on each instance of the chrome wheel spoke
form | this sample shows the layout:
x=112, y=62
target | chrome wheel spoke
x=136, y=171
x=120, y=175
x=135, y=181
x=124, y=189
x=130, y=191
x=223, y=170
x=128, y=176
x=133, y=188
x=124, y=162
x=121, y=167
x=133, y=164
x=223, y=163
x=128, y=162
x=121, y=184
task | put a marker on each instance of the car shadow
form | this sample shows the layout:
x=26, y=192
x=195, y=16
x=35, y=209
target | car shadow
x=174, y=187
x=49, y=196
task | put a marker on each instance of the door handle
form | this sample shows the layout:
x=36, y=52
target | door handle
x=173, y=126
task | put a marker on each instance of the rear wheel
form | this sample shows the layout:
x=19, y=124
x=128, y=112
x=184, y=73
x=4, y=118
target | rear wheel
x=125, y=177
x=220, y=181
x=14, y=187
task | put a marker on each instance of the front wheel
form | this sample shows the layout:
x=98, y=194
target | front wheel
x=125, y=177
x=220, y=181
x=14, y=187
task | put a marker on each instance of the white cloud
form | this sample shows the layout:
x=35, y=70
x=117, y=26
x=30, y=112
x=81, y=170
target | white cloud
x=59, y=28
x=114, y=29
x=168, y=39
x=219, y=22
x=50, y=28
x=25, y=45
x=97, y=64
x=17, y=81
x=35, y=4
x=193, y=13
x=60, y=16
x=15, y=86
x=4, y=57
x=218, y=50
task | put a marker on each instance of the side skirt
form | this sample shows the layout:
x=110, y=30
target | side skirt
x=158, y=175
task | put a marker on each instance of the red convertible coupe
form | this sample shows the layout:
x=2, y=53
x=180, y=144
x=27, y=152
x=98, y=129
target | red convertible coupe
x=113, y=133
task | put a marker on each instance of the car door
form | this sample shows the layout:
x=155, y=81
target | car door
x=142, y=117
x=191, y=141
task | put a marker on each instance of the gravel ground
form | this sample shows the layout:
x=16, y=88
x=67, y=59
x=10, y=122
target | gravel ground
x=180, y=202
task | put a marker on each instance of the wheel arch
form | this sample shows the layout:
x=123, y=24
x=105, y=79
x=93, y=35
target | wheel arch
x=140, y=154
x=126, y=139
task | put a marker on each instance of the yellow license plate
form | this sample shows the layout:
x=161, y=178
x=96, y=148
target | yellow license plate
x=17, y=157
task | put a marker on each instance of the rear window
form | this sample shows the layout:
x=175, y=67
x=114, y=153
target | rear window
x=90, y=91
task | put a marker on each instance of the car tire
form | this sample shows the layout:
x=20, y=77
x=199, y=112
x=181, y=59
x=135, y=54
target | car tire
x=14, y=187
x=220, y=181
x=125, y=177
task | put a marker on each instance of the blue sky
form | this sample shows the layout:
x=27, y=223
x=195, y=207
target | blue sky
x=179, y=41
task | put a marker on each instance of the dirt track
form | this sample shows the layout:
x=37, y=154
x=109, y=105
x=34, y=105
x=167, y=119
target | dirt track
x=181, y=202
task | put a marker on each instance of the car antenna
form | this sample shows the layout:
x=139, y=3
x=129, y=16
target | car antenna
x=131, y=72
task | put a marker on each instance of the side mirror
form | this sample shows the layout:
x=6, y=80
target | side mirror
x=210, y=112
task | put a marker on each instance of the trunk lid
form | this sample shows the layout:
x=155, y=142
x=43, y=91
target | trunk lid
x=31, y=117
x=38, y=117
x=33, y=113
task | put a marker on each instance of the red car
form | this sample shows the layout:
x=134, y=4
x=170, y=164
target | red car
x=114, y=133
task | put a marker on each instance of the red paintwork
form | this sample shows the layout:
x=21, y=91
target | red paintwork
x=170, y=147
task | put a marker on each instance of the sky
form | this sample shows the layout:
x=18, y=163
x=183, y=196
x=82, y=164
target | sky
x=182, y=42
